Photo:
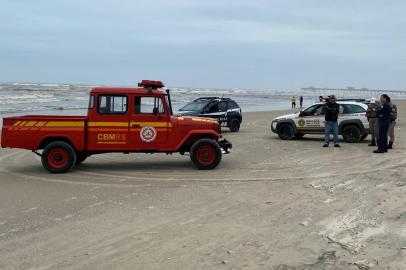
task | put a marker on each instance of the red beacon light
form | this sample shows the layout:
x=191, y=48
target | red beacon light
x=151, y=84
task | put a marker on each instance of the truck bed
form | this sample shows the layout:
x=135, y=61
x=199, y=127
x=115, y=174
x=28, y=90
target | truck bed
x=30, y=131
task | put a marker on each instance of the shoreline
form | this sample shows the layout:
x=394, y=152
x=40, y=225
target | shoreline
x=84, y=111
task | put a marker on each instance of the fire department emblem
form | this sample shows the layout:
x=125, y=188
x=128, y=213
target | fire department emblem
x=148, y=134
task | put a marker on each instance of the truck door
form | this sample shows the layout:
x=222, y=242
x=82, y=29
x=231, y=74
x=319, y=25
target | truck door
x=108, y=127
x=149, y=125
x=311, y=120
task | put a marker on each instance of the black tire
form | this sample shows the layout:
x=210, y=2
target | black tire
x=58, y=157
x=80, y=157
x=205, y=154
x=234, y=125
x=286, y=132
x=351, y=134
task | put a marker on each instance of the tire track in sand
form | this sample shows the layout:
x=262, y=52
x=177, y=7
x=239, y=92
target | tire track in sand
x=178, y=178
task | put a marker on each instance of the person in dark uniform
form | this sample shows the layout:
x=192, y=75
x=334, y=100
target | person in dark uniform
x=384, y=115
x=391, y=131
x=301, y=102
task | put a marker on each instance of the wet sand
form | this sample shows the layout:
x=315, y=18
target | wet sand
x=271, y=204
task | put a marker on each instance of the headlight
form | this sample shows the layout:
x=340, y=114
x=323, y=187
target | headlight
x=274, y=123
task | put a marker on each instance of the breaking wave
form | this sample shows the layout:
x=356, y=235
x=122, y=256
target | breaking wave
x=17, y=98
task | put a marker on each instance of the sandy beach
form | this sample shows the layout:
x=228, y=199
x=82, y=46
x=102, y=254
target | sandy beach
x=271, y=204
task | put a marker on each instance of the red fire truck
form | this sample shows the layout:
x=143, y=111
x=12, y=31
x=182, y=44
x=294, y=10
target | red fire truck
x=119, y=120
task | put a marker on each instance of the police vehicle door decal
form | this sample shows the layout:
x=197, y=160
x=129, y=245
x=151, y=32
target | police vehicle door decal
x=314, y=121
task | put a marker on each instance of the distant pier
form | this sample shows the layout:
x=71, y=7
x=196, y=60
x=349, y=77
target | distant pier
x=352, y=92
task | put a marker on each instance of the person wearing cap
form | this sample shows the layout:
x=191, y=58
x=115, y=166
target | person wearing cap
x=331, y=110
x=372, y=116
x=384, y=122
x=391, y=130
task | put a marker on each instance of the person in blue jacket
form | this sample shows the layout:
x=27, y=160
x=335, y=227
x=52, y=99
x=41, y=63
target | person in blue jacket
x=384, y=115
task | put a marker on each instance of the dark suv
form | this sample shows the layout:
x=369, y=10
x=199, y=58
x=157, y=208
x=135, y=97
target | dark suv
x=225, y=110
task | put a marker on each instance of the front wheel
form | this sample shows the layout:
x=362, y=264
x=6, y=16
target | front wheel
x=205, y=154
x=286, y=132
x=58, y=157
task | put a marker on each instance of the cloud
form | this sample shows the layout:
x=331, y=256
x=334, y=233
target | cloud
x=243, y=38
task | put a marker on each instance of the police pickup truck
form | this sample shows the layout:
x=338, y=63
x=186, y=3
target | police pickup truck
x=352, y=122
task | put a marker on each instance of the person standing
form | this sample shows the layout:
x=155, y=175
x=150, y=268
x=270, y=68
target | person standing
x=331, y=110
x=384, y=122
x=393, y=117
x=373, y=120
x=301, y=102
x=293, y=102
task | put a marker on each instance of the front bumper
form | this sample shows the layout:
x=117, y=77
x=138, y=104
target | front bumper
x=225, y=145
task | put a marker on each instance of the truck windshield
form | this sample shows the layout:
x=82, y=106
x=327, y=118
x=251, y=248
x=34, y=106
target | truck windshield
x=194, y=106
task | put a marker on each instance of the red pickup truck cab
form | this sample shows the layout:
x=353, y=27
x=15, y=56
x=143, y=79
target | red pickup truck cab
x=119, y=120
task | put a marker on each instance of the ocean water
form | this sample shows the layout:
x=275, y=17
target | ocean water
x=21, y=99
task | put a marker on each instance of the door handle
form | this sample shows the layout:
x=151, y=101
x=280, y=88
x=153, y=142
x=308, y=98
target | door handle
x=135, y=125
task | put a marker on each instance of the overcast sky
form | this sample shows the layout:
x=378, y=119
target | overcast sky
x=260, y=44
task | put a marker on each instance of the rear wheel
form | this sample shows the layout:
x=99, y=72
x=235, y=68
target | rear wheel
x=205, y=154
x=286, y=132
x=234, y=125
x=58, y=157
x=351, y=134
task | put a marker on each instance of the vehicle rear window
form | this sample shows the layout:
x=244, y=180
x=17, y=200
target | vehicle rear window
x=353, y=108
x=112, y=104
x=232, y=105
